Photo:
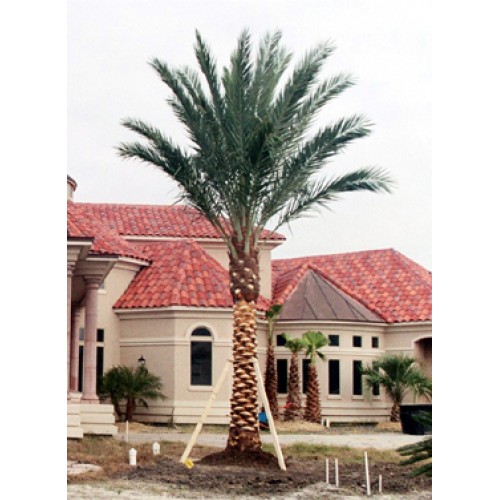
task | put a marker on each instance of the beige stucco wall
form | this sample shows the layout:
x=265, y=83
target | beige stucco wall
x=115, y=284
x=163, y=337
x=344, y=407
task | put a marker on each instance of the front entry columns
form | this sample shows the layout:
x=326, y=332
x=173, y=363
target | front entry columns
x=90, y=352
x=71, y=268
x=74, y=349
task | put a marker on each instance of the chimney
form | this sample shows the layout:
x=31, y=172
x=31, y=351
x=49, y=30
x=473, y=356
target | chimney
x=71, y=187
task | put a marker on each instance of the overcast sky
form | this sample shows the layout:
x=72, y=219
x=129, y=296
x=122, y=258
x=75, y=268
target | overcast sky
x=386, y=45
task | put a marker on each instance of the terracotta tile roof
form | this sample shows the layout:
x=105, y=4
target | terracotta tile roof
x=106, y=241
x=181, y=274
x=179, y=221
x=385, y=281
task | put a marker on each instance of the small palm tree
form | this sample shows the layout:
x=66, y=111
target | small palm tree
x=271, y=379
x=134, y=386
x=293, y=408
x=421, y=452
x=253, y=160
x=313, y=341
x=399, y=375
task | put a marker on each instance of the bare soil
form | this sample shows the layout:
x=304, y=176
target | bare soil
x=217, y=475
x=260, y=475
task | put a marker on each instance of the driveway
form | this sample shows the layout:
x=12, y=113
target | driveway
x=378, y=440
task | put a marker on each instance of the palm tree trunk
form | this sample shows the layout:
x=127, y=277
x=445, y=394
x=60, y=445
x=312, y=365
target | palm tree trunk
x=130, y=409
x=244, y=426
x=271, y=381
x=313, y=407
x=395, y=413
x=293, y=400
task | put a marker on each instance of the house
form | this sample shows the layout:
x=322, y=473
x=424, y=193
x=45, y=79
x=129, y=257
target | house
x=151, y=282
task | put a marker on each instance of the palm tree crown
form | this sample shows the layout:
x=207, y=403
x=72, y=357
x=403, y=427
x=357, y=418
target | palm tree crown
x=399, y=375
x=252, y=158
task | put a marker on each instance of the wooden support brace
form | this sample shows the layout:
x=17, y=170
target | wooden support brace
x=204, y=415
x=272, y=428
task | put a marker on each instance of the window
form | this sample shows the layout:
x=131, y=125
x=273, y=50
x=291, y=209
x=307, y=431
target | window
x=282, y=375
x=201, y=357
x=280, y=340
x=334, y=376
x=305, y=374
x=375, y=343
x=100, y=335
x=357, y=341
x=375, y=387
x=357, y=388
x=333, y=340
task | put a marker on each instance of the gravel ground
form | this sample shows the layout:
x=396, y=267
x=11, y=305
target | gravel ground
x=379, y=440
x=144, y=491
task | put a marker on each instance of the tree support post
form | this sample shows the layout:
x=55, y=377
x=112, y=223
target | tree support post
x=270, y=418
x=204, y=415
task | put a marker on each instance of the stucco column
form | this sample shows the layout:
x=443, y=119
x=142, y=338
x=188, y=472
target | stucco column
x=89, y=350
x=74, y=349
x=71, y=268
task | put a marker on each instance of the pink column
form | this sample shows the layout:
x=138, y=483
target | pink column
x=89, y=350
x=74, y=353
x=71, y=268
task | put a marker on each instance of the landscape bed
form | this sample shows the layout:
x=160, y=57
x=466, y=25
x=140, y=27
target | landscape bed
x=262, y=476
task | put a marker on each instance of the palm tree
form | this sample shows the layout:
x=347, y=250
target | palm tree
x=252, y=161
x=313, y=341
x=270, y=378
x=420, y=452
x=293, y=408
x=134, y=386
x=399, y=375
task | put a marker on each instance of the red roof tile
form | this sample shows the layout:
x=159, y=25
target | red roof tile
x=105, y=240
x=385, y=281
x=181, y=274
x=179, y=221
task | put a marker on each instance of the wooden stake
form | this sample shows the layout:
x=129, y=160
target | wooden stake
x=380, y=483
x=336, y=473
x=272, y=428
x=204, y=415
x=327, y=471
x=368, y=489
x=126, y=431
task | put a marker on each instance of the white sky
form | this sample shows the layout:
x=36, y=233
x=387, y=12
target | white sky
x=386, y=45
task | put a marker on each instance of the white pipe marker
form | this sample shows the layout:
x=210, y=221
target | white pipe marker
x=368, y=489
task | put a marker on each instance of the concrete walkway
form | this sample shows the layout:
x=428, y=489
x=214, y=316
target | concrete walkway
x=378, y=440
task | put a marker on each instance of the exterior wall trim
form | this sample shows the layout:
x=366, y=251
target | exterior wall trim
x=216, y=241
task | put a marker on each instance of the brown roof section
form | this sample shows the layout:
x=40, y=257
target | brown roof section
x=385, y=281
x=181, y=274
x=106, y=241
x=175, y=221
x=315, y=298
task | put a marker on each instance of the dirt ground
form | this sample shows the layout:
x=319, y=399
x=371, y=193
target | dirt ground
x=216, y=479
x=270, y=480
x=213, y=477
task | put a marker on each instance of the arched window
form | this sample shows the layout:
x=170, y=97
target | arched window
x=201, y=357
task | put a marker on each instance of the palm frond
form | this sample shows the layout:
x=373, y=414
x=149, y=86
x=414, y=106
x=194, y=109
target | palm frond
x=251, y=157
